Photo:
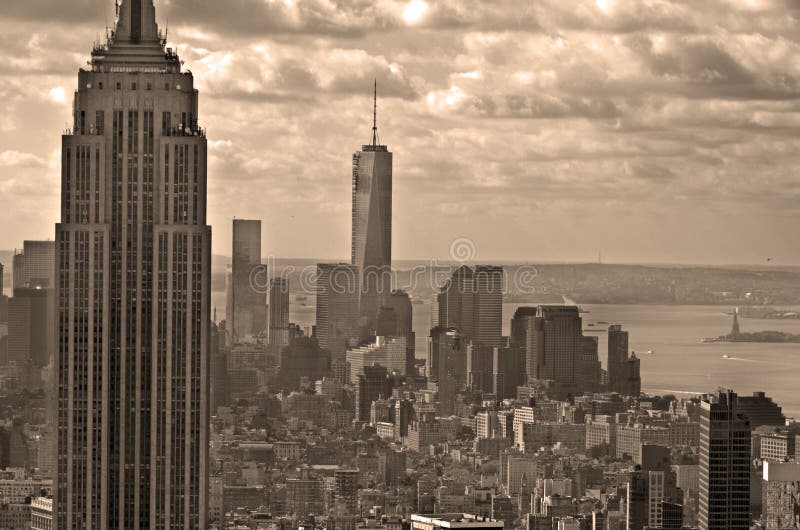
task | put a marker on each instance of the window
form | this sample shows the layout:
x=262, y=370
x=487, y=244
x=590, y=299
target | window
x=149, y=87
x=166, y=86
x=119, y=86
x=99, y=122
x=133, y=86
x=100, y=85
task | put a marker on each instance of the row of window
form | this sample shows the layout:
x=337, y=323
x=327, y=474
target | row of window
x=134, y=86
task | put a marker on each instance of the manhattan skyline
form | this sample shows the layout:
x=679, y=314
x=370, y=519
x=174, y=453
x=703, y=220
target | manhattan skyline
x=621, y=120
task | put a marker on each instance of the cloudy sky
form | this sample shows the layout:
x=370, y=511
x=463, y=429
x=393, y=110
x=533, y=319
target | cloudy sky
x=648, y=130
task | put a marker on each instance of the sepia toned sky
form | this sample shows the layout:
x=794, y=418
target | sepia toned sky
x=553, y=130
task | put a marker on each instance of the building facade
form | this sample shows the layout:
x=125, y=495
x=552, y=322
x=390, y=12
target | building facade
x=246, y=313
x=133, y=290
x=724, y=464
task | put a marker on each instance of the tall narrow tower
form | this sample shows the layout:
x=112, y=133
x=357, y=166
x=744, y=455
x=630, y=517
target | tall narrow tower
x=372, y=224
x=133, y=290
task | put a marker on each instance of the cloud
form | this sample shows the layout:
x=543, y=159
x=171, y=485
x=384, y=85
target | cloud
x=15, y=159
x=502, y=116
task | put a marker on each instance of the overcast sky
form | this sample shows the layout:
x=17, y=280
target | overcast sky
x=650, y=130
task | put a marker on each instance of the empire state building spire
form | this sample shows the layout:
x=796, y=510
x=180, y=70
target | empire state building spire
x=136, y=22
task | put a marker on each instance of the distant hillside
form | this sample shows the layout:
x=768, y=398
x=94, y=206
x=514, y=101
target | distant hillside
x=601, y=284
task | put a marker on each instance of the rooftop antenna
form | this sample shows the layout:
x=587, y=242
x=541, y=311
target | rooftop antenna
x=375, y=116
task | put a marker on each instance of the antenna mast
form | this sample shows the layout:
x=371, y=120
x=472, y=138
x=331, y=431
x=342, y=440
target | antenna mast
x=375, y=116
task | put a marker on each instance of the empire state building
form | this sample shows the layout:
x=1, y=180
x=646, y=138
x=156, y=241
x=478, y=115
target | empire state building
x=133, y=287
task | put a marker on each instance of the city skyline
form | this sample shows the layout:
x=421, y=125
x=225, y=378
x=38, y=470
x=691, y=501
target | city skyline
x=680, y=111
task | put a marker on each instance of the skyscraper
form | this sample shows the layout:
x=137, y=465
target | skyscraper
x=456, y=302
x=279, y=312
x=523, y=325
x=371, y=248
x=471, y=301
x=133, y=289
x=488, y=283
x=246, y=313
x=34, y=267
x=617, y=356
x=557, y=345
x=337, y=307
x=724, y=464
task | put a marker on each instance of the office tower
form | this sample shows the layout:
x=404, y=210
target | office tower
x=346, y=490
x=624, y=375
x=488, y=282
x=18, y=270
x=480, y=367
x=760, y=410
x=449, y=349
x=29, y=336
x=371, y=384
x=589, y=365
x=400, y=303
x=557, y=345
x=337, y=307
x=617, y=356
x=471, y=301
x=506, y=373
x=724, y=464
x=456, y=302
x=633, y=377
x=133, y=282
x=523, y=325
x=371, y=250
x=246, y=314
x=218, y=355
x=389, y=352
x=279, y=313
x=34, y=266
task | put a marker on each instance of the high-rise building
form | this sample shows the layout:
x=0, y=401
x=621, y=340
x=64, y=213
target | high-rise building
x=337, y=307
x=34, y=266
x=624, y=375
x=557, y=345
x=724, y=464
x=133, y=261
x=371, y=384
x=448, y=351
x=18, y=270
x=488, y=282
x=760, y=410
x=402, y=309
x=389, y=352
x=523, y=325
x=29, y=339
x=617, y=356
x=279, y=313
x=589, y=365
x=456, y=302
x=471, y=301
x=246, y=314
x=371, y=250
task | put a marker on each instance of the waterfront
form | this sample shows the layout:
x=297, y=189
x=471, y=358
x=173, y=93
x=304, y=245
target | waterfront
x=681, y=364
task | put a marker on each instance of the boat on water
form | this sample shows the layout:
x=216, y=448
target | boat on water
x=709, y=339
x=649, y=352
x=726, y=356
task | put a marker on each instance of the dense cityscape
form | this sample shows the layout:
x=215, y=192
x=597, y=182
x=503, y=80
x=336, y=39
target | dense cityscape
x=130, y=401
